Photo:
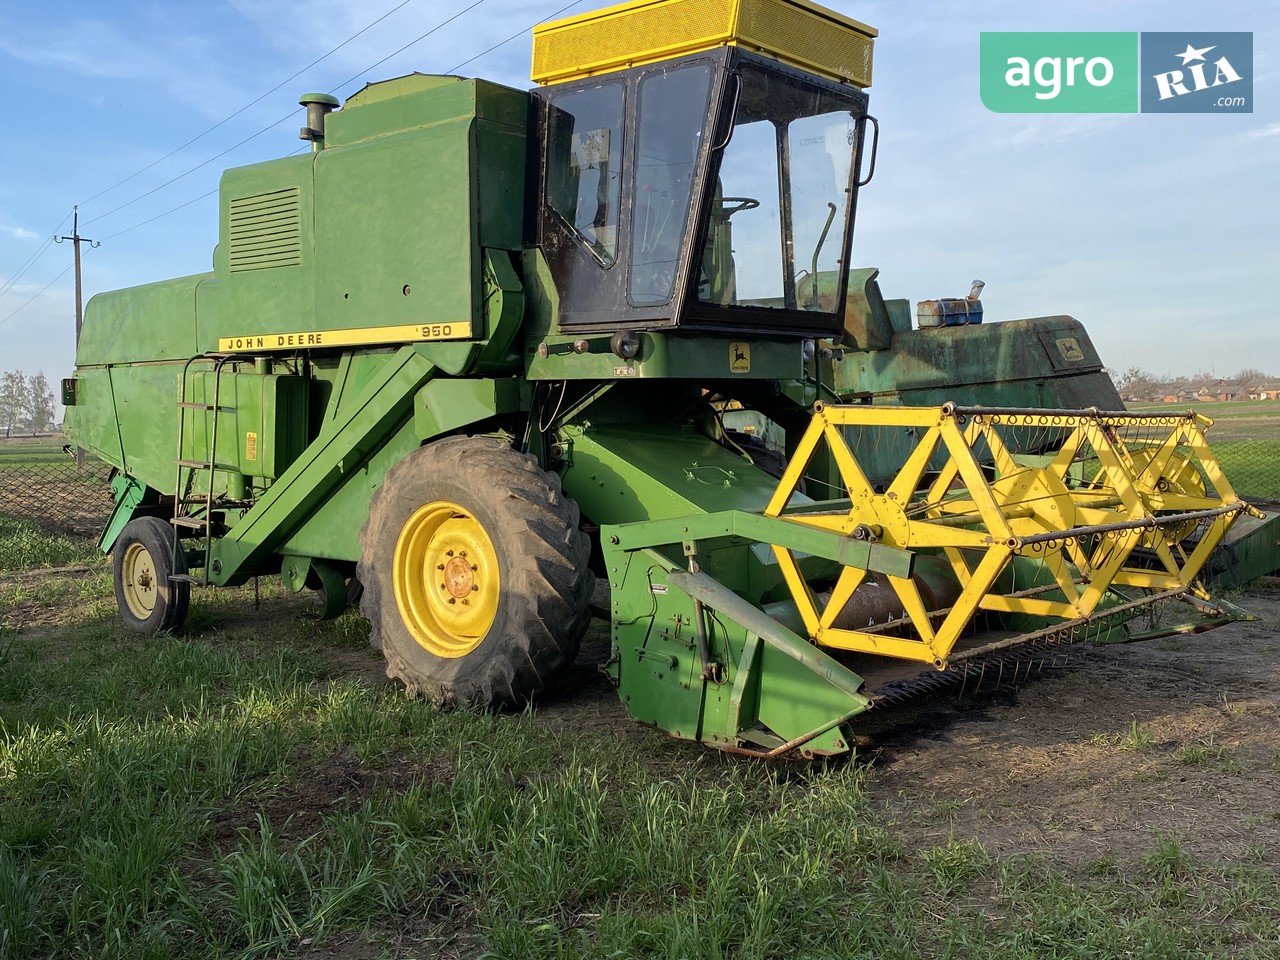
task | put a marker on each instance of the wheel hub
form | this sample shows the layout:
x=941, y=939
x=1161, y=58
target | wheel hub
x=138, y=578
x=445, y=577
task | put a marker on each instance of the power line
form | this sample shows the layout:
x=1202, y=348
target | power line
x=203, y=163
x=251, y=103
x=21, y=271
x=514, y=36
x=37, y=296
x=31, y=260
x=438, y=26
x=277, y=123
x=180, y=206
x=464, y=63
x=188, y=203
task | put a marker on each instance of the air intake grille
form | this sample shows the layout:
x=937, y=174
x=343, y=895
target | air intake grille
x=667, y=29
x=646, y=31
x=266, y=231
x=806, y=37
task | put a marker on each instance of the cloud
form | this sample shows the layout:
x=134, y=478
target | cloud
x=1270, y=130
x=18, y=233
x=186, y=65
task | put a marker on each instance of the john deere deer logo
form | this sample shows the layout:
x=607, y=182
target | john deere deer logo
x=739, y=357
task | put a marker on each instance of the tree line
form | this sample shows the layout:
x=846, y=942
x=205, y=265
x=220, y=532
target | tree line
x=26, y=399
x=1135, y=380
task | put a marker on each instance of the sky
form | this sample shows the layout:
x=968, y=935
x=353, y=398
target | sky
x=1159, y=232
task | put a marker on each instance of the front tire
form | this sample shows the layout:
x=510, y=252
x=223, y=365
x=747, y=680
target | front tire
x=141, y=565
x=476, y=582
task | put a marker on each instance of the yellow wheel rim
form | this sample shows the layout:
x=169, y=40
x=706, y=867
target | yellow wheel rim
x=138, y=581
x=445, y=575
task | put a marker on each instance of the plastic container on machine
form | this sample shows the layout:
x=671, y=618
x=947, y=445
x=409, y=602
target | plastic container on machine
x=953, y=312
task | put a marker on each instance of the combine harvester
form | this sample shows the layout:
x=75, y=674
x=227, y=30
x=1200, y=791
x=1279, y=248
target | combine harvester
x=482, y=344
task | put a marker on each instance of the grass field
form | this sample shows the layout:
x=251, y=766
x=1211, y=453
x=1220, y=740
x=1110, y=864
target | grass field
x=1245, y=436
x=23, y=451
x=1252, y=466
x=255, y=789
x=43, y=495
x=1219, y=408
x=24, y=545
x=1232, y=419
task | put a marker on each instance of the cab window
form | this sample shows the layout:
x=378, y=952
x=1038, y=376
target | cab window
x=673, y=108
x=584, y=165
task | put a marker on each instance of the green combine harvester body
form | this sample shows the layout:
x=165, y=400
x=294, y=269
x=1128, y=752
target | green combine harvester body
x=481, y=344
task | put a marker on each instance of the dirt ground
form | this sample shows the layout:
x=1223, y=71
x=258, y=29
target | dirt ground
x=1168, y=738
x=1172, y=738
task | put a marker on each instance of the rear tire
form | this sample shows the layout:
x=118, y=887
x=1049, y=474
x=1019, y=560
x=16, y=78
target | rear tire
x=476, y=583
x=141, y=565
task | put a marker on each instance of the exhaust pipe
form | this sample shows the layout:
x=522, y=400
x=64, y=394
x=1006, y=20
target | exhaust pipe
x=319, y=105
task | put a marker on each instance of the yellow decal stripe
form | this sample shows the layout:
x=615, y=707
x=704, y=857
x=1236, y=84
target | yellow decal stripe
x=353, y=337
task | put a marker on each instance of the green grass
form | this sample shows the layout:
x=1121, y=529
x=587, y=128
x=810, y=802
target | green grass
x=1135, y=738
x=1218, y=409
x=26, y=546
x=239, y=793
x=1245, y=437
x=25, y=451
x=1252, y=466
x=1206, y=753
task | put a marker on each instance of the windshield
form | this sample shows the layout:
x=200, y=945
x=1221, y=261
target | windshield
x=779, y=215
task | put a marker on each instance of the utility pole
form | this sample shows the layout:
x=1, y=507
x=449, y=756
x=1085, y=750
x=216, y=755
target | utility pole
x=76, y=240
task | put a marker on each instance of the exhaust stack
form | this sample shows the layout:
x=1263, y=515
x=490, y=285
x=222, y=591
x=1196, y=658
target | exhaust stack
x=318, y=105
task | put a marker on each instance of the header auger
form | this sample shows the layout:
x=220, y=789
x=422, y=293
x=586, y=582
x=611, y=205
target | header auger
x=481, y=346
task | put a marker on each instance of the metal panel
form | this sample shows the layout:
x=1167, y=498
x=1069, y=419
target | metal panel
x=794, y=31
x=810, y=37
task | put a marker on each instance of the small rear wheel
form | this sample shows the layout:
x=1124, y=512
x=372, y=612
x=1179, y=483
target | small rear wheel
x=142, y=564
x=476, y=582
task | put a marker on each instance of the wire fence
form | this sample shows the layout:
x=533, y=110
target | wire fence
x=52, y=511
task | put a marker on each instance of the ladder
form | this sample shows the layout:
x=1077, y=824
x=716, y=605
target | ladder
x=188, y=469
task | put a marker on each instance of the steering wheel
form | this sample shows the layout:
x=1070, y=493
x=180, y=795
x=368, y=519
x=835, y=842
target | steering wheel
x=731, y=205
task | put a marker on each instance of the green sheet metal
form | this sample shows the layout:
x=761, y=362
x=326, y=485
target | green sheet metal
x=1251, y=549
x=340, y=449
x=767, y=687
x=657, y=471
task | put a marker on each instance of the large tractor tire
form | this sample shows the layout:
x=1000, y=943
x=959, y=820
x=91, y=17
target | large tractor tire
x=142, y=563
x=475, y=574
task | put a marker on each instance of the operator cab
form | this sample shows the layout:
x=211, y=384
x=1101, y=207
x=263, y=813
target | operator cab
x=712, y=191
